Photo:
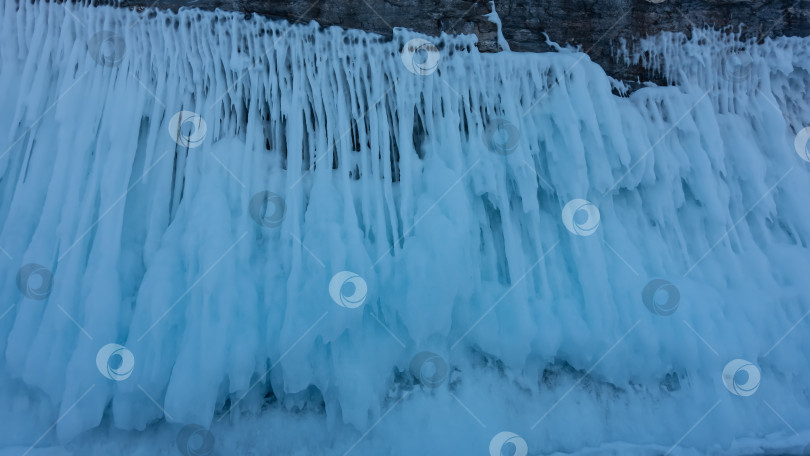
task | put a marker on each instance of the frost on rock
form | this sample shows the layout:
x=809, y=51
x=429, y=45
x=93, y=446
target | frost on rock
x=495, y=19
x=190, y=184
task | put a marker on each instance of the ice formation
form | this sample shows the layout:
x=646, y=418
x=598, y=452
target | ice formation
x=186, y=186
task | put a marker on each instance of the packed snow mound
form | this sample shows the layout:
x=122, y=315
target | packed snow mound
x=204, y=214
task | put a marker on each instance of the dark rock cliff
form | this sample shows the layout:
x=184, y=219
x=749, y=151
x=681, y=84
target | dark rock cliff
x=595, y=25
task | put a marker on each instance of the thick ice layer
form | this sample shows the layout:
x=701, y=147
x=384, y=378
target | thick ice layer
x=386, y=169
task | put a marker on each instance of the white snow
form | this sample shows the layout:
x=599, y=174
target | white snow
x=443, y=192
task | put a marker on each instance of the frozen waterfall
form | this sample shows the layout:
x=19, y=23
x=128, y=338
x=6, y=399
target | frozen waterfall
x=317, y=241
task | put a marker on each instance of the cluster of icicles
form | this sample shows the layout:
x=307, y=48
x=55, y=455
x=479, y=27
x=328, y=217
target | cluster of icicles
x=185, y=186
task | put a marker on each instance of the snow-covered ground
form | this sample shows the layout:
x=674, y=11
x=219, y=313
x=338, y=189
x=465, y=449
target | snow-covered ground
x=229, y=236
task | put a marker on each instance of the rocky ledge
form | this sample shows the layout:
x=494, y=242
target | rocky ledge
x=597, y=26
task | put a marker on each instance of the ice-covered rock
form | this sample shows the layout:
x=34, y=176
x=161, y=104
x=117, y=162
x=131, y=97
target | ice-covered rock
x=187, y=187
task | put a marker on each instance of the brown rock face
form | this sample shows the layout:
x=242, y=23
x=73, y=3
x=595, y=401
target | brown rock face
x=595, y=25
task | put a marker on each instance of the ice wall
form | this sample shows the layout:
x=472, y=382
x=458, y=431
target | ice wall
x=189, y=184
